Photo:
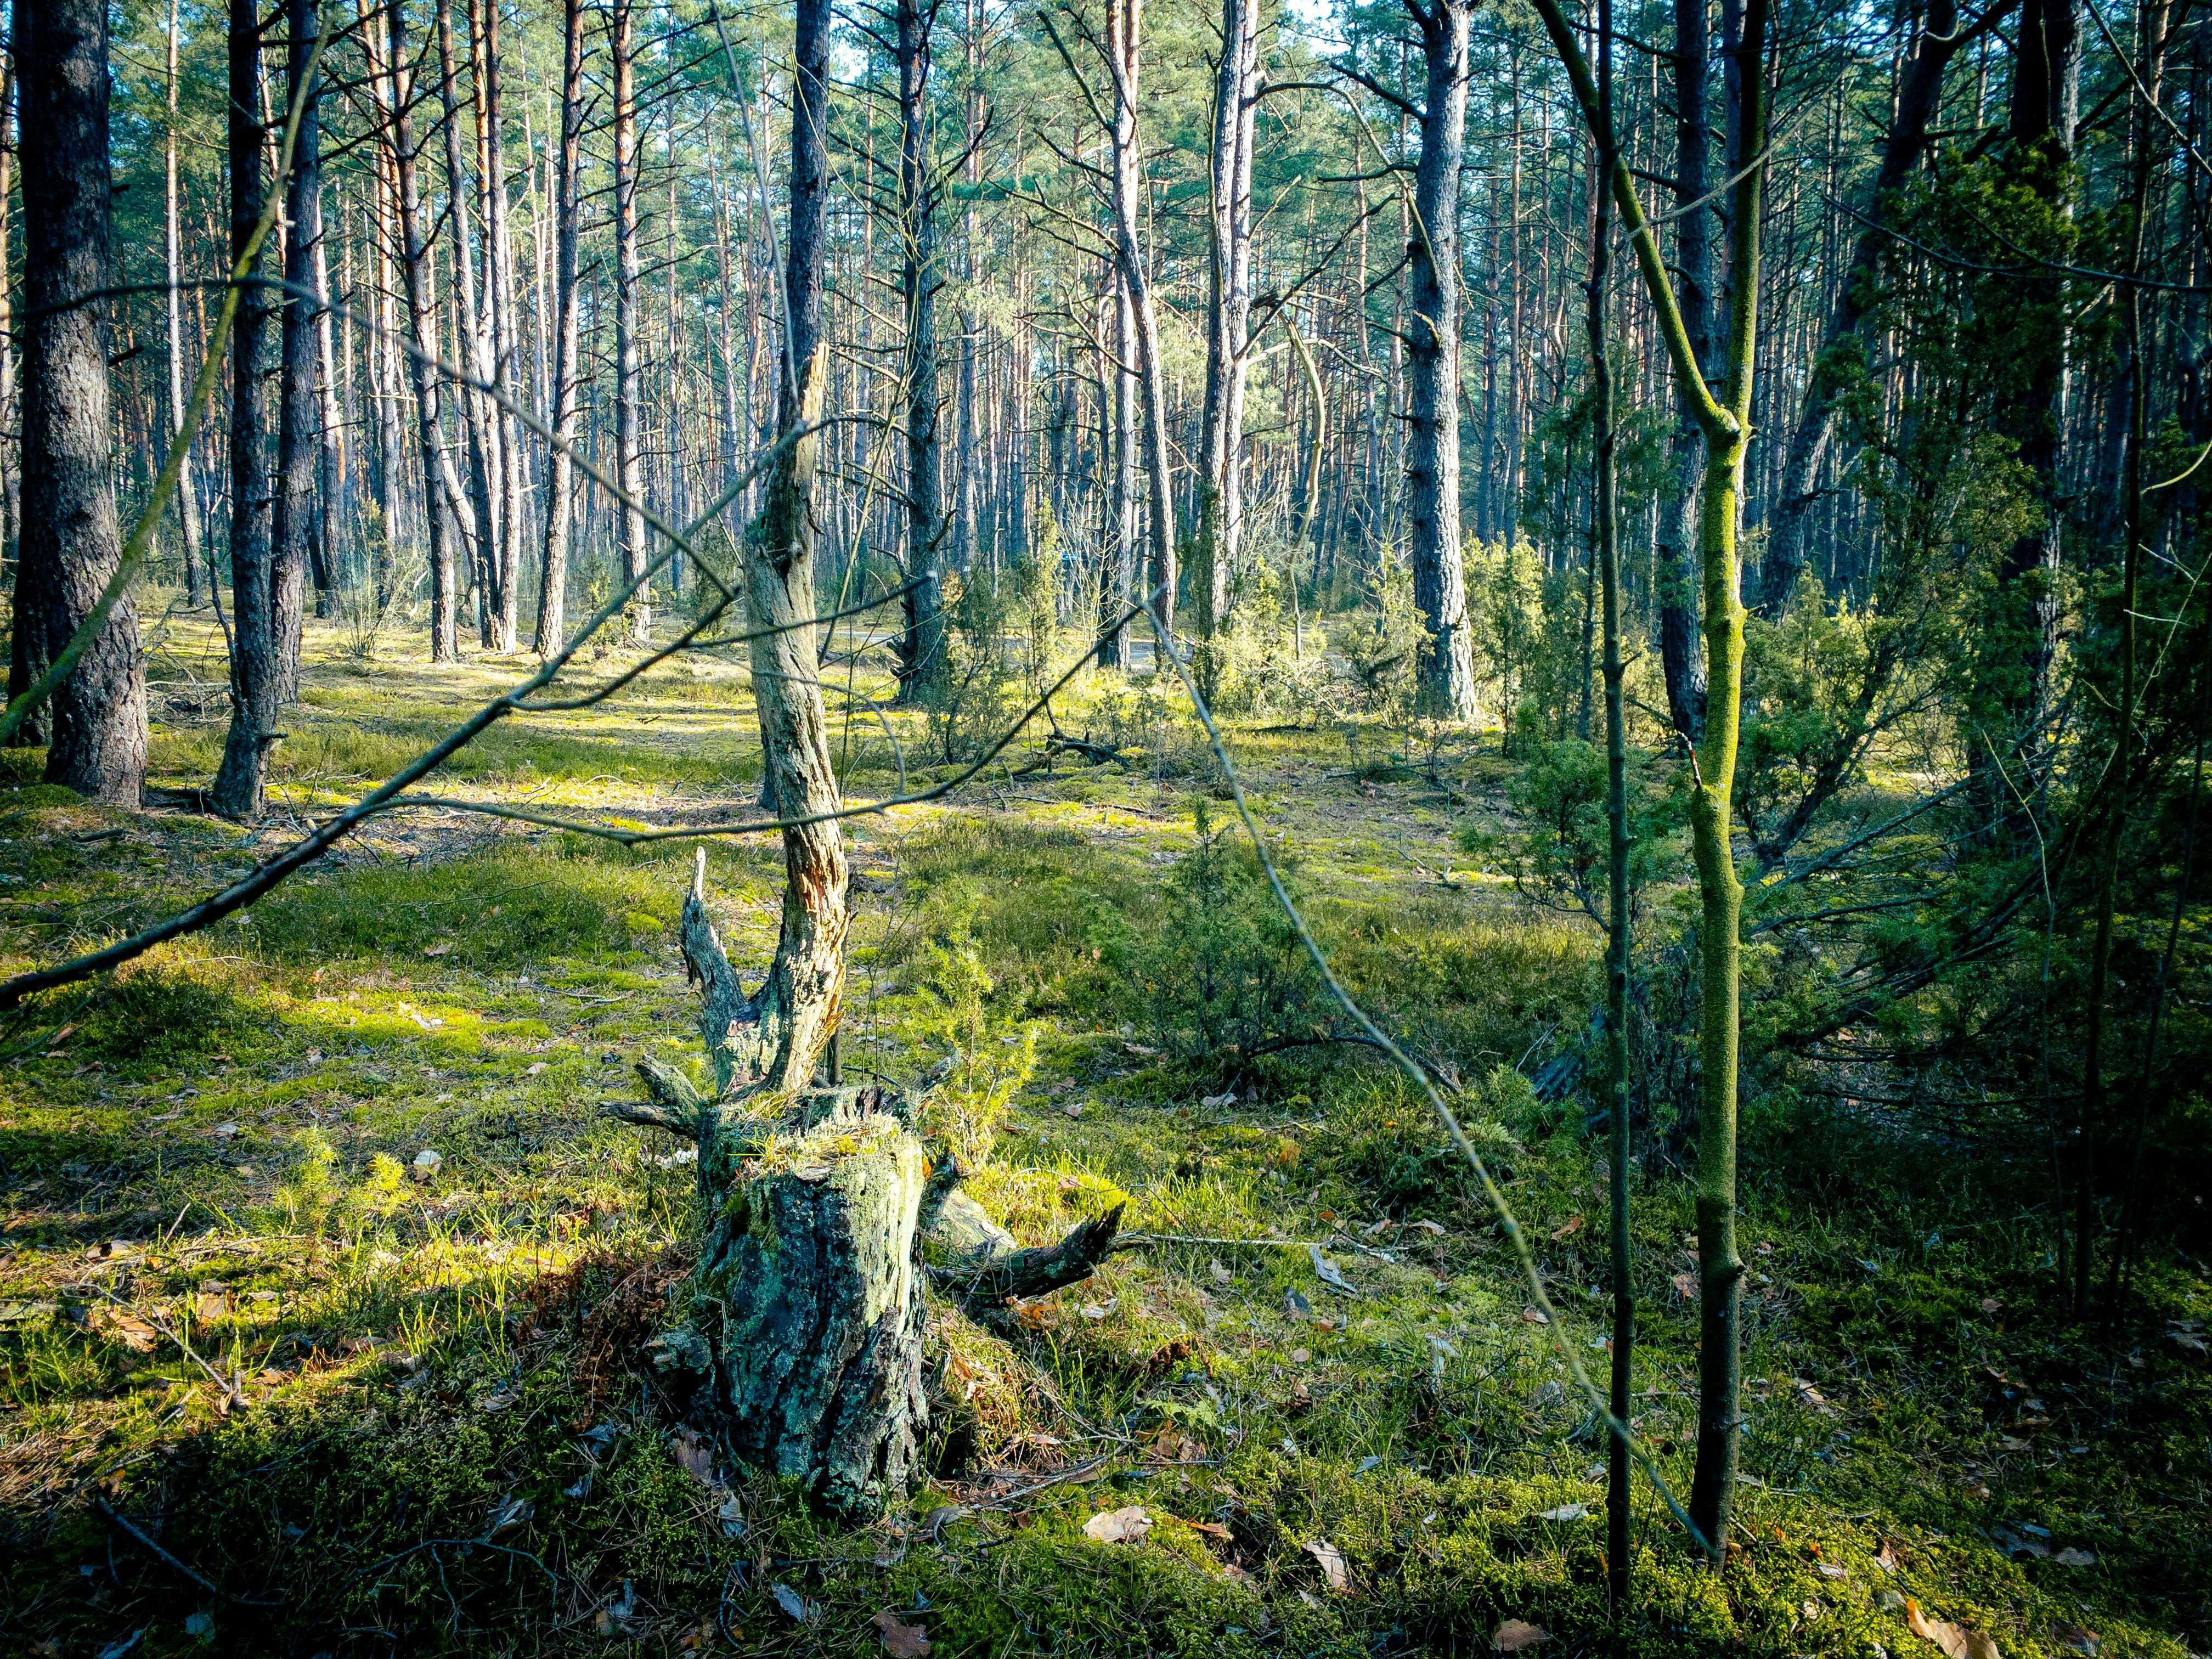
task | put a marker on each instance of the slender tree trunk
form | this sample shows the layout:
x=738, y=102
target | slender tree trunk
x=1446, y=670
x=2132, y=530
x=1681, y=663
x=256, y=683
x=499, y=295
x=299, y=418
x=1724, y=422
x=1228, y=313
x=188, y=496
x=921, y=648
x=797, y=1010
x=474, y=345
x=33, y=729
x=443, y=501
x=1120, y=573
x=567, y=371
x=70, y=541
x=1605, y=509
x=334, y=482
x=629, y=457
x=1123, y=18
x=2018, y=637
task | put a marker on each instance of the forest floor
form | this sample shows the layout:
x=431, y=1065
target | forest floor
x=323, y=1272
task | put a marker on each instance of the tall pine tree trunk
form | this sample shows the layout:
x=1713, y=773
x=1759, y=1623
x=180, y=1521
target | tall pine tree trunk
x=567, y=371
x=1228, y=316
x=255, y=686
x=442, y=501
x=70, y=541
x=629, y=457
x=921, y=647
x=1446, y=668
x=188, y=494
x=294, y=529
x=1123, y=19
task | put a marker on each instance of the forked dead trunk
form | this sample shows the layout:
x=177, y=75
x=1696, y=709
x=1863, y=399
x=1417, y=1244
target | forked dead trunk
x=805, y=1338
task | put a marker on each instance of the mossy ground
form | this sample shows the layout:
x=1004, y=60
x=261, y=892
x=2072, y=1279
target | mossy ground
x=231, y=1314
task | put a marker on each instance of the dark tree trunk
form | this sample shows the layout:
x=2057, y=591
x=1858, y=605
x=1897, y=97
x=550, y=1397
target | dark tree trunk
x=70, y=541
x=254, y=698
x=1919, y=88
x=1446, y=670
x=560, y=468
x=299, y=422
x=921, y=647
x=1682, y=665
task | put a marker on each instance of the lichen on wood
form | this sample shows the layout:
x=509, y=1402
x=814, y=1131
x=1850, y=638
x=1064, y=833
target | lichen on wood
x=808, y=1296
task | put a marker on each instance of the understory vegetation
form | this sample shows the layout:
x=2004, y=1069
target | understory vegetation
x=320, y=1256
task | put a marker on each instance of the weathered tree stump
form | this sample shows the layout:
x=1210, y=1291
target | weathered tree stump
x=808, y=1304
x=809, y=1298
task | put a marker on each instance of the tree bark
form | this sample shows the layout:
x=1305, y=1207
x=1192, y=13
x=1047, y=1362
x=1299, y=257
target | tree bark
x=1605, y=510
x=629, y=457
x=794, y=1012
x=474, y=351
x=817, y=1369
x=1446, y=669
x=1228, y=321
x=188, y=496
x=499, y=295
x=443, y=501
x=560, y=468
x=1123, y=18
x=255, y=699
x=1682, y=663
x=299, y=418
x=921, y=647
x=70, y=541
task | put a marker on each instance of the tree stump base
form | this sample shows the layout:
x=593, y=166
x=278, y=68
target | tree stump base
x=809, y=1298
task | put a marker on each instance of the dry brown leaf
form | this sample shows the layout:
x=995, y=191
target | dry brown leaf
x=1211, y=1529
x=436, y=950
x=694, y=1453
x=1534, y=1315
x=1332, y=1565
x=1686, y=1286
x=1567, y=1229
x=1122, y=1526
x=1958, y=1641
x=2076, y=1638
x=133, y=1331
x=901, y=1641
x=1517, y=1635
